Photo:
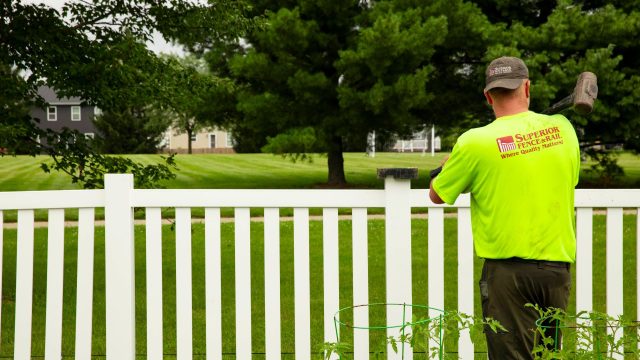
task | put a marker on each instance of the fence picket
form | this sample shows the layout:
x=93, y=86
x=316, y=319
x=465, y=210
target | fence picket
x=272, y=282
x=184, y=295
x=302, y=287
x=436, y=264
x=398, y=259
x=584, y=263
x=331, y=269
x=119, y=256
x=465, y=279
x=360, y=282
x=243, y=283
x=55, y=271
x=615, y=294
x=24, y=286
x=1, y=272
x=154, y=282
x=213, y=283
x=84, y=297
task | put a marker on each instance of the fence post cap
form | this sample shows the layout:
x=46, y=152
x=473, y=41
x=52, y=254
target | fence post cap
x=398, y=173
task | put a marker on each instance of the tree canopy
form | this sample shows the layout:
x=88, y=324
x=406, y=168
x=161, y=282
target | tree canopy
x=95, y=50
x=317, y=76
x=320, y=75
x=335, y=71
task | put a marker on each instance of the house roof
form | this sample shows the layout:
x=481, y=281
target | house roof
x=49, y=95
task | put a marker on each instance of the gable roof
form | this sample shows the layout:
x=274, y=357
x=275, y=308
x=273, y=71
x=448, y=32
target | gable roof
x=50, y=97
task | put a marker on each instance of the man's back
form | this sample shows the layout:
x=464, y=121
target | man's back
x=521, y=171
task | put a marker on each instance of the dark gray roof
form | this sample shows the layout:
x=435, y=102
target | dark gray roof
x=49, y=95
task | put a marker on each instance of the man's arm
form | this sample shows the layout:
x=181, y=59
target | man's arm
x=433, y=195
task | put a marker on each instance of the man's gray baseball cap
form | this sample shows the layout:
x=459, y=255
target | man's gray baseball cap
x=505, y=72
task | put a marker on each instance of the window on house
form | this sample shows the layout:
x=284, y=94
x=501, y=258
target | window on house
x=212, y=141
x=52, y=113
x=193, y=137
x=75, y=113
x=89, y=135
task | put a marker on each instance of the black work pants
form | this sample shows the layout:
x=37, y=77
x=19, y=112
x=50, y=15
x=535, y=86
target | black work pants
x=505, y=287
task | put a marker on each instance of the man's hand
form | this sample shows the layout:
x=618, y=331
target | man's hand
x=433, y=195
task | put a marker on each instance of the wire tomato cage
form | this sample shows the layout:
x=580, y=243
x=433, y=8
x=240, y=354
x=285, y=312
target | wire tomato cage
x=427, y=330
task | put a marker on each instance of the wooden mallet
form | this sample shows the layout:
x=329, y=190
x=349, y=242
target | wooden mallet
x=582, y=98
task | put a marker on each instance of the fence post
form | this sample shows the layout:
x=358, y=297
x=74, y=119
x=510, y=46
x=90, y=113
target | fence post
x=397, y=186
x=119, y=267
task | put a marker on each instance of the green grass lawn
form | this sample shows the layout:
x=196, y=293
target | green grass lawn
x=376, y=284
x=264, y=171
x=231, y=171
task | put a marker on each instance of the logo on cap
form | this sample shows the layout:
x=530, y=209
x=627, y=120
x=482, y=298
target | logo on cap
x=506, y=143
x=500, y=70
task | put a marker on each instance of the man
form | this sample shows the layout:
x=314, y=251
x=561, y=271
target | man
x=521, y=171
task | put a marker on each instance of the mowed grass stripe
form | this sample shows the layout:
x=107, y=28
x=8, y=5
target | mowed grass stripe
x=240, y=171
x=25, y=173
x=265, y=171
x=219, y=171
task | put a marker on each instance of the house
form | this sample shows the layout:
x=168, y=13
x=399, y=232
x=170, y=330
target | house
x=211, y=140
x=72, y=113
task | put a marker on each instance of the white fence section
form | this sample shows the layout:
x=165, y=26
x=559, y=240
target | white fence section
x=119, y=199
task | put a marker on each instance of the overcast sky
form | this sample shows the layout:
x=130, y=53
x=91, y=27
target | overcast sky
x=157, y=44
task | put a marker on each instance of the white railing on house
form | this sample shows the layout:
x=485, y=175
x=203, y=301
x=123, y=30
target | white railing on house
x=119, y=198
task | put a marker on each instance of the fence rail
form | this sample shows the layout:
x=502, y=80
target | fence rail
x=119, y=199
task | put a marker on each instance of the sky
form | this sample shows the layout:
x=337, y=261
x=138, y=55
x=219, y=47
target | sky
x=157, y=44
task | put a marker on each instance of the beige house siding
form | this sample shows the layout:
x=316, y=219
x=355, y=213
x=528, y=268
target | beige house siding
x=178, y=142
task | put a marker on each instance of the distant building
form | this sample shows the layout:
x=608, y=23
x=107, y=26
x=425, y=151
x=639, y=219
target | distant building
x=419, y=142
x=72, y=113
x=205, y=141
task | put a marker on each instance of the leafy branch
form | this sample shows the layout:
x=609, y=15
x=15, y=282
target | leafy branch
x=588, y=335
x=73, y=154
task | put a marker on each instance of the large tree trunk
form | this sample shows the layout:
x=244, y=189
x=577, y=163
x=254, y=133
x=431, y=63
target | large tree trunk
x=189, y=133
x=336, y=163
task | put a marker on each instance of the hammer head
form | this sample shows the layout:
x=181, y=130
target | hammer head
x=585, y=93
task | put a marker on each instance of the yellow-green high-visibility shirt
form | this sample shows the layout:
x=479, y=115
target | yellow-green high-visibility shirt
x=521, y=171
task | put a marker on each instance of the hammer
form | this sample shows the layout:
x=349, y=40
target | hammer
x=581, y=100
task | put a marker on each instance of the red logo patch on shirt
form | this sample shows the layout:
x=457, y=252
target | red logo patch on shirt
x=506, y=143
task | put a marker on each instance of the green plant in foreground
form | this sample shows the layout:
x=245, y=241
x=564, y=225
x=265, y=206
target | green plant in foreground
x=427, y=334
x=338, y=348
x=587, y=335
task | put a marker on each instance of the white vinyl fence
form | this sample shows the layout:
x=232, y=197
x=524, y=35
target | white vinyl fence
x=119, y=198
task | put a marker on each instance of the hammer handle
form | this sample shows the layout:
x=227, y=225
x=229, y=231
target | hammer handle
x=560, y=105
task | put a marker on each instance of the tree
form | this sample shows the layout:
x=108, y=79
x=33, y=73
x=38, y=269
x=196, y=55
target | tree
x=95, y=50
x=334, y=71
x=131, y=130
x=191, y=90
x=14, y=110
x=320, y=75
